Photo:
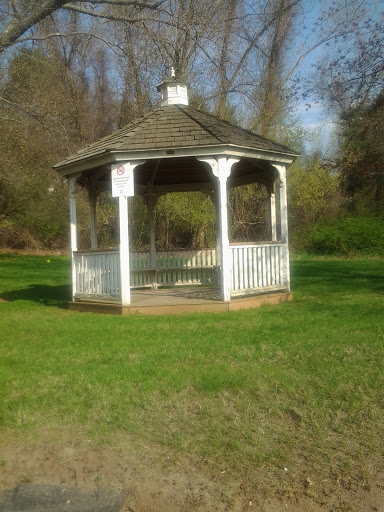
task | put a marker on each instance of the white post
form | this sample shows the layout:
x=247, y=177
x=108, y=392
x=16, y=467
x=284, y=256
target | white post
x=218, y=225
x=73, y=227
x=284, y=216
x=92, y=198
x=273, y=212
x=125, y=290
x=224, y=172
x=128, y=189
x=221, y=168
x=151, y=202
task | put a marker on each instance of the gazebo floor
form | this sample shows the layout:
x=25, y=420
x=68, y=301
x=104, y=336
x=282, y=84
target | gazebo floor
x=178, y=300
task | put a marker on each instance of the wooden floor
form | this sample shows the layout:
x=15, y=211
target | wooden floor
x=177, y=301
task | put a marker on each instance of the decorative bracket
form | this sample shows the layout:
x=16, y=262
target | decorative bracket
x=281, y=172
x=221, y=166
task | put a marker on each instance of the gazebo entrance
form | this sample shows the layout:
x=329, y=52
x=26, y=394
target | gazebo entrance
x=177, y=148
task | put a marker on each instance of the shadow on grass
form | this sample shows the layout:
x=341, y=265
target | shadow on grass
x=336, y=276
x=55, y=296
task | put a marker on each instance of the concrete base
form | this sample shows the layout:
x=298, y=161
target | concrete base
x=203, y=300
x=49, y=498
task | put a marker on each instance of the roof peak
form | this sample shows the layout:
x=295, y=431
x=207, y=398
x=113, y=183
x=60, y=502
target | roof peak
x=174, y=91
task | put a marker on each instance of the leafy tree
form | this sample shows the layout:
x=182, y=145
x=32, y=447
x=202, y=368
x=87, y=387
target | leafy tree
x=44, y=127
x=249, y=213
x=314, y=194
x=185, y=220
x=361, y=161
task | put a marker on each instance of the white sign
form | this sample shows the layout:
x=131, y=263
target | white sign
x=122, y=179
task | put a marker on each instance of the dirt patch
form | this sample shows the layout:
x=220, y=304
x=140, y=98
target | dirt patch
x=157, y=481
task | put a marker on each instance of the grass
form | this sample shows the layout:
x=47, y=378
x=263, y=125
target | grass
x=274, y=387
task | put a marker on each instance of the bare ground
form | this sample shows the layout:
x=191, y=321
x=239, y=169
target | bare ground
x=157, y=481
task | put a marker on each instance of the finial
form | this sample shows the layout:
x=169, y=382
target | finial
x=174, y=91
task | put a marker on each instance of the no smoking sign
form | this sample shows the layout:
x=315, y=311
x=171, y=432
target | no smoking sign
x=122, y=180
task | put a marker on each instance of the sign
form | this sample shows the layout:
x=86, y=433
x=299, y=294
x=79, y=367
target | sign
x=122, y=179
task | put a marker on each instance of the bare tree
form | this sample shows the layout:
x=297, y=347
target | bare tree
x=224, y=83
x=18, y=18
x=270, y=90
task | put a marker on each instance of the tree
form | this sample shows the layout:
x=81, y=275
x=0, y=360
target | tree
x=361, y=161
x=352, y=70
x=20, y=17
x=314, y=194
x=270, y=91
x=54, y=106
x=185, y=220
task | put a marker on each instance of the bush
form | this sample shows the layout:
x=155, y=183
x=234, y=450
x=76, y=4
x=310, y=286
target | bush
x=348, y=237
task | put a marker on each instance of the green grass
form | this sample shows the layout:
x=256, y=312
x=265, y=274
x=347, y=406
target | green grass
x=274, y=386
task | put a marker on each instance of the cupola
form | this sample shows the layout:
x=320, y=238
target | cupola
x=173, y=91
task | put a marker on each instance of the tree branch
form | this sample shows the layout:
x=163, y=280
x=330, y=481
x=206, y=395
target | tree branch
x=16, y=105
x=112, y=46
x=22, y=24
x=34, y=12
x=256, y=37
x=103, y=15
x=135, y=3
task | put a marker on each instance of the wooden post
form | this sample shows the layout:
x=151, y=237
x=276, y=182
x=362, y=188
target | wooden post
x=92, y=198
x=284, y=217
x=221, y=168
x=73, y=227
x=125, y=290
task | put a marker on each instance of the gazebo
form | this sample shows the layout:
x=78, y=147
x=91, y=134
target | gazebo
x=178, y=148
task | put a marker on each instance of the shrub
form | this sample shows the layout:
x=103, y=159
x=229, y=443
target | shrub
x=348, y=237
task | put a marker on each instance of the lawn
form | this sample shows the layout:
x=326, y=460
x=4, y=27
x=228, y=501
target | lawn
x=297, y=386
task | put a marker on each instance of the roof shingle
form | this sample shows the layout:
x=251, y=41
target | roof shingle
x=175, y=126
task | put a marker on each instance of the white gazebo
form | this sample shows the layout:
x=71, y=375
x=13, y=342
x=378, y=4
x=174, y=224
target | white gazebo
x=178, y=148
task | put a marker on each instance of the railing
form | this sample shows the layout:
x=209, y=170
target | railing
x=174, y=268
x=97, y=273
x=255, y=267
x=258, y=266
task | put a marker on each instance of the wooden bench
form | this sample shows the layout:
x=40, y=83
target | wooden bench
x=174, y=277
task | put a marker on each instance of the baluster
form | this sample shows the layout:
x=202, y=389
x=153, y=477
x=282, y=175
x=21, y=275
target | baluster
x=254, y=267
x=189, y=275
x=235, y=268
x=199, y=265
x=182, y=272
x=111, y=273
x=241, y=269
x=102, y=273
x=203, y=264
x=250, y=267
x=246, y=268
x=264, y=265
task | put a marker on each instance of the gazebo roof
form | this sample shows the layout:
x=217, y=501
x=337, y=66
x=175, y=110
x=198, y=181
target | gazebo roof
x=168, y=130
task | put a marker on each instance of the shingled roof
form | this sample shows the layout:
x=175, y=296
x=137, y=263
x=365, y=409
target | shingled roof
x=175, y=127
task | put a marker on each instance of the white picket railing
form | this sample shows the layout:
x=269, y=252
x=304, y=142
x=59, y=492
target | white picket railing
x=174, y=268
x=255, y=267
x=258, y=267
x=97, y=273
